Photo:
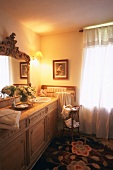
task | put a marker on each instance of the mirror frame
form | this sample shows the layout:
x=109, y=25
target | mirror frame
x=8, y=48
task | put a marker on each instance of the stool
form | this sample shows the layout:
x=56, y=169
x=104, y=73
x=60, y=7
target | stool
x=70, y=122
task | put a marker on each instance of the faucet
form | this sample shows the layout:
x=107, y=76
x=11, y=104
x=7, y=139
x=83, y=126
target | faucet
x=13, y=102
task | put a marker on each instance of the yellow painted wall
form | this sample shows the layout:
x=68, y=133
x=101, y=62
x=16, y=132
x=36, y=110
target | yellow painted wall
x=54, y=47
x=62, y=46
x=27, y=41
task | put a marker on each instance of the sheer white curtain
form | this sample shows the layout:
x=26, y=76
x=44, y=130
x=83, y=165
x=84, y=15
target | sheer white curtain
x=4, y=71
x=96, y=98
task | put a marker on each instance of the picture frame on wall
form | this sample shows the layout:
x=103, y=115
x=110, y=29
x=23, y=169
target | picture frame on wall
x=60, y=69
x=23, y=70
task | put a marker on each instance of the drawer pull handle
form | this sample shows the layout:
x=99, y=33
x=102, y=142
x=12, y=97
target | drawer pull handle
x=21, y=141
x=46, y=109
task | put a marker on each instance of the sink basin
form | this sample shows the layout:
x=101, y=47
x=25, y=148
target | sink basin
x=42, y=99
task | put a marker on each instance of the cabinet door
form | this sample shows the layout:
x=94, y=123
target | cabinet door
x=13, y=156
x=52, y=123
x=37, y=138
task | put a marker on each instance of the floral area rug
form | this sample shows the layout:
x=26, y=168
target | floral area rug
x=85, y=152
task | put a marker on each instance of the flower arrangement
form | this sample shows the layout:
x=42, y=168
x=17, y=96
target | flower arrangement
x=9, y=90
x=26, y=91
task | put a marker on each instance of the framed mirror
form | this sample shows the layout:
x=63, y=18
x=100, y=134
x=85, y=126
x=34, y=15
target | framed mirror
x=8, y=48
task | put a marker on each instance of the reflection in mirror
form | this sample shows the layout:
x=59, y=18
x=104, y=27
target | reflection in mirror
x=8, y=48
x=4, y=71
x=15, y=77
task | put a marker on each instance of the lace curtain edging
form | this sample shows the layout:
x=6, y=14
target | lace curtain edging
x=98, y=36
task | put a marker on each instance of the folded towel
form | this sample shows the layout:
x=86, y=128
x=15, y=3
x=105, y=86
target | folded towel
x=66, y=110
x=69, y=123
x=9, y=117
x=56, y=89
x=43, y=93
x=51, y=90
x=10, y=127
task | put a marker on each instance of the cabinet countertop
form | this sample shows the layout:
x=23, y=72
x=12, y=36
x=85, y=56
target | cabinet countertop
x=36, y=107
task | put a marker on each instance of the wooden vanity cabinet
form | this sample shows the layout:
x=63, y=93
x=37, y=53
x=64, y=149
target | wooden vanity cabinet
x=19, y=150
x=36, y=140
x=13, y=148
x=51, y=124
x=13, y=156
x=43, y=126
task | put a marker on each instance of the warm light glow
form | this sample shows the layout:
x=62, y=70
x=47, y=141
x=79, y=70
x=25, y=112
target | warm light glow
x=34, y=62
x=38, y=27
x=46, y=72
x=38, y=55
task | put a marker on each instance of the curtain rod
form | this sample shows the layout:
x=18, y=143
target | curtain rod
x=81, y=30
x=96, y=26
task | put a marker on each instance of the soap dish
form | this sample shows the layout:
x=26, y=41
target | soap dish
x=22, y=106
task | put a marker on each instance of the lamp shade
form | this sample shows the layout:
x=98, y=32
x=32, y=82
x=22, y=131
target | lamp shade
x=38, y=55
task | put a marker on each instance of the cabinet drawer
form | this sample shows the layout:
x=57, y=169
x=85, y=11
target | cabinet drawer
x=52, y=106
x=7, y=135
x=37, y=115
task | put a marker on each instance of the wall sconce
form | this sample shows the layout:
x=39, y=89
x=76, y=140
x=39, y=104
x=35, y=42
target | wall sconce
x=38, y=55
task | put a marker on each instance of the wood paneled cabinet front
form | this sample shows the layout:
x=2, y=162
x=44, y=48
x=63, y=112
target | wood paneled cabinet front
x=13, y=156
x=51, y=123
x=21, y=149
x=43, y=125
x=37, y=139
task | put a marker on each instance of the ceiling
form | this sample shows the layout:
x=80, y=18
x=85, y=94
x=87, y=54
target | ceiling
x=57, y=16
